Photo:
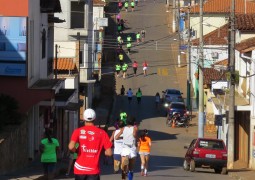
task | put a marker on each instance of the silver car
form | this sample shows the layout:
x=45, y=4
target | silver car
x=172, y=95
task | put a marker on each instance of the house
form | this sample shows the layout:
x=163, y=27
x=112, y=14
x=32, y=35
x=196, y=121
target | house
x=27, y=75
x=216, y=14
x=217, y=96
x=75, y=39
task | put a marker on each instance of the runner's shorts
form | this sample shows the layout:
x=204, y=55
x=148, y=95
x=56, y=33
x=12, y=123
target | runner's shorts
x=145, y=68
x=144, y=153
x=129, y=151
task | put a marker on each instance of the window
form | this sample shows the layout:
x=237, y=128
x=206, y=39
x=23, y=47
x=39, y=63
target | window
x=77, y=14
x=43, y=43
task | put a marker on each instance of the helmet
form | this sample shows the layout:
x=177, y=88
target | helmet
x=89, y=115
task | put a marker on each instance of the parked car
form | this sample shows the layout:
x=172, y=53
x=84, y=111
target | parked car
x=172, y=95
x=206, y=152
x=176, y=107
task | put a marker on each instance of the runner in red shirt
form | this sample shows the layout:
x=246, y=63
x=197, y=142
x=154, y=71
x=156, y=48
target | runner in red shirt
x=145, y=67
x=91, y=140
x=135, y=65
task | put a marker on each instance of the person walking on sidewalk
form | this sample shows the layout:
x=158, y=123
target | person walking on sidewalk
x=135, y=66
x=126, y=6
x=145, y=67
x=144, y=146
x=139, y=96
x=138, y=37
x=124, y=70
x=157, y=100
x=129, y=95
x=117, y=69
x=122, y=90
x=128, y=154
x=48, y=148
x=117, y=147
x=91, y=140
x=120, y=5
x=129, y=39
x=132, y=4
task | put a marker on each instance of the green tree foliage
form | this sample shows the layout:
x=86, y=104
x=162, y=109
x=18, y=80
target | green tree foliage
x=8, y=111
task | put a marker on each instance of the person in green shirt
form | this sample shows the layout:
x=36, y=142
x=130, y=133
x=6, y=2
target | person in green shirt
x=126, y=6
x=138, y=37
x=124, y=69
x=48, y=148
x=123, y=117
x=129, y=39
x=72, y=159
x=129, y=45
x=139, y=96
x=132, y=4
x=121, y=58
x=117, y=68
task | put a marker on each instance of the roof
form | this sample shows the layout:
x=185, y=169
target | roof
x=221, y=63
x=211, y=74
x=65, y=64
x=224, y=6
x=246, y=45
x=245, y=22
x=216, y=37
x=98, y=3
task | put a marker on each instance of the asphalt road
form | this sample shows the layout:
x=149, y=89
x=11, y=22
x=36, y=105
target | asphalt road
x=167, y=148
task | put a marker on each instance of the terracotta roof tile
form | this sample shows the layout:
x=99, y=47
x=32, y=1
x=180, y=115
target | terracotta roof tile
x=211, y=74
x=221, y=63
x=65, y=64
x=216, y=37
x=224, y=6
x=98, y=2
x=246, y=45
x=245, y=22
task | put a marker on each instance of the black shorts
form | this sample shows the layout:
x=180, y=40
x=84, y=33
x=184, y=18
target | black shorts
x=87, y=177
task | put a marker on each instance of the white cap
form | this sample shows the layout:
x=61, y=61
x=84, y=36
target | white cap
x=89, y=115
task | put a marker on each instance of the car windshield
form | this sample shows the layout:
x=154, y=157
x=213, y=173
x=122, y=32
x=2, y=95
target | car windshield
x=211, y=144
x=176, y=92
x=178, y=106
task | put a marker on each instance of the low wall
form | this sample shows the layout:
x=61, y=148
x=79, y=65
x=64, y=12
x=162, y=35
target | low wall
x=14, y=149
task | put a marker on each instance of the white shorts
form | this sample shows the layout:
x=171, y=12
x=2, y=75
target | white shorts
x=144, y=153
x=145, y=68
x=130, y=152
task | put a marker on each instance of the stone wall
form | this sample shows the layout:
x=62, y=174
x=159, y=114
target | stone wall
x=14, y=149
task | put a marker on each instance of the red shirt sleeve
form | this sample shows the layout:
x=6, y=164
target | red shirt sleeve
x=106, y=143
x=75, y=135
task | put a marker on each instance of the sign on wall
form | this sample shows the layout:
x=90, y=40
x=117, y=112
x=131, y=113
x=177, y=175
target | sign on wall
x=13, y=46
x=102, y=22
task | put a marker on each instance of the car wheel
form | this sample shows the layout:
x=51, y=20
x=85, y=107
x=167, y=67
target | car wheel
x=224, y=170
x=185, y=165
x=217, y=170
x=192, y=166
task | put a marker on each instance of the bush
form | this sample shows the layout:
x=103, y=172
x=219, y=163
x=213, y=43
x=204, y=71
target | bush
x=8, y=111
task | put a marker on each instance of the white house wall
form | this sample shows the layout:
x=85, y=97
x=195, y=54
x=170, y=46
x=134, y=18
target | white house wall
x=252, y=121
x=66, y=49
x=214, y=22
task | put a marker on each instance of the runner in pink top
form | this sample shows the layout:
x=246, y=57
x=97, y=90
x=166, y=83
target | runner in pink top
x=145, y=67
x=135, y=65
x=91, y=141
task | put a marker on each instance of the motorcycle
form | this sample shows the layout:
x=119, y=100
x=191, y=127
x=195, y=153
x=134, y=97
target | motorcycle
x=178, y=120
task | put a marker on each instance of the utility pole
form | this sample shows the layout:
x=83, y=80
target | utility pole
x=79, y=70
x=201, y=76
x=56, y=61
x=174, y=17
x=179, y=34
x=231, y=117
x=189, y=63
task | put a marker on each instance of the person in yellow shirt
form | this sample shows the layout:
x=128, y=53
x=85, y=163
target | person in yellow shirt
x=144, y=146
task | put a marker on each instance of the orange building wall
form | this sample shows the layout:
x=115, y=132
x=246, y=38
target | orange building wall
x=14, y=8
